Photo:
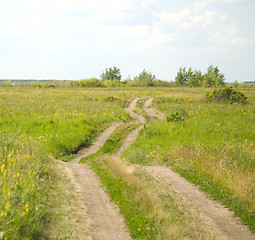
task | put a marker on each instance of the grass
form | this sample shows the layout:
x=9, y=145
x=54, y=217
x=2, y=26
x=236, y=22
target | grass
x=61, y=121
x=26, y=178
x=150, y=209
x=36, y=124
x=214, y=147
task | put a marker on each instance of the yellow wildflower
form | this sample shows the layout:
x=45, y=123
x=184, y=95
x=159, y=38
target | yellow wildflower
x=2, y=169
x=26, y=210
x=7, y=206
x=3, y=214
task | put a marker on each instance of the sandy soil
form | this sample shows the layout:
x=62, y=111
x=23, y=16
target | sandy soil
x=97, y=144
x=151, y=112
x=106, y=223
x=223, y=218
x=105, y=219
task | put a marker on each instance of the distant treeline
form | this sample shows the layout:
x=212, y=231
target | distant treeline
x=111, y=77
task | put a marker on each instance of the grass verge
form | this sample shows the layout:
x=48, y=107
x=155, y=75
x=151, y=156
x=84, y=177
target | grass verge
x=149, y=209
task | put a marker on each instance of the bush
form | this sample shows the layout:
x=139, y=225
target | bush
x=226, y=95
x=175, y=117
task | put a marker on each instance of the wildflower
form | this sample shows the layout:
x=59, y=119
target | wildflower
x=7, y=206
x=3, y=214
x=26, y=210
x=2, y=168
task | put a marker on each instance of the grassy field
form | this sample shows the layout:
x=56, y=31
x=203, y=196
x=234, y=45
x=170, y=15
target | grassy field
x=33, y=125
x=212, y=145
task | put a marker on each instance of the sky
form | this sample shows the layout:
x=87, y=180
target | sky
x=75, y=39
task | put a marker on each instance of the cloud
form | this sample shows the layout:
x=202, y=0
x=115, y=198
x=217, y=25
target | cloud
x=199, y=5
x=147, y=3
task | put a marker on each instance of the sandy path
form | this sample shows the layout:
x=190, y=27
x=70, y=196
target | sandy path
x=97, y=144
x=151, y=112
x=105, y=221
x=130, y=110
x=222, y=217
x=133, y=135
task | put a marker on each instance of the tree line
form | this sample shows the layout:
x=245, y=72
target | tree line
x=111, y=77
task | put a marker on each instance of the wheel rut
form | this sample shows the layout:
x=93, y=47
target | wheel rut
x=105, y=219
x=222, y=217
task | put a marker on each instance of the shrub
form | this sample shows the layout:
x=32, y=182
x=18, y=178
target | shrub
x=175, y=117
x=226, y=95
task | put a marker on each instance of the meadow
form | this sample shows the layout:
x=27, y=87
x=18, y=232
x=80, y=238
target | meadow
x=212, y=145
x=34, y=125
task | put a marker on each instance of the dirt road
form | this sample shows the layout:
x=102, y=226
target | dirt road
x=151, y=112
x=105, y=219
x=223, y=218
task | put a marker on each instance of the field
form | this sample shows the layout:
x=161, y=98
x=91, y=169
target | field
x=211, y=145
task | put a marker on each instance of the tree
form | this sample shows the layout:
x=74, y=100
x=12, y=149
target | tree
x=213, y=77
x=111, y=74
x=196, y=79
x=183, y=76
x=145, y=78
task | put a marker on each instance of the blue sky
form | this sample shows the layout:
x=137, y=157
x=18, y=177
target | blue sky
x=74, y=39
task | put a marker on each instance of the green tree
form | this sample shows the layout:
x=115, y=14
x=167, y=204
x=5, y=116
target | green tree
x=183, y=76
x=196, y=79
x=111, y=74
x=145, y=78
x=213, y=77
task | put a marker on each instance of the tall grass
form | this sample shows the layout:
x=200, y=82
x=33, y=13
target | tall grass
x=213, y=145
x=151, y=210
x=25, y=180
x=61, y=121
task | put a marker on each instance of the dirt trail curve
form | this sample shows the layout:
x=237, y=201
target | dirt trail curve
x=151, y=112
x=105, y=221
x=133, y=135
x=223, y=218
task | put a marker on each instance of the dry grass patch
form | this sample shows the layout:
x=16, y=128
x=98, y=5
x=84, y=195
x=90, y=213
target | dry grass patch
x=173, y=217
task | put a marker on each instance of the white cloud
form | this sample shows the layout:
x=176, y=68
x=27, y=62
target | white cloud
x=199, y=5
x=210, y=18
x=146, y=3
x=177, y=19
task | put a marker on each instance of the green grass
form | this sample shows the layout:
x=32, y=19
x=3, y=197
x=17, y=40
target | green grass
x=214, y=147
x=151, y=210
x=140, y=226
x=26, y=178
x=61, y=121
x=217, y=141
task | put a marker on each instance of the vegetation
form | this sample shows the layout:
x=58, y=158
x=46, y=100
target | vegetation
x=150, y=210
x=25, y=180
x=213, y=78
x=213, y=147
x=34, y=125
x=210, y=144
x=60, y=121
x=111, y=74
x=226, y=95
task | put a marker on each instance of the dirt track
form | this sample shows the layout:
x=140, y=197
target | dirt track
x=105, y=220
x=223, y=218
x=106, y=223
